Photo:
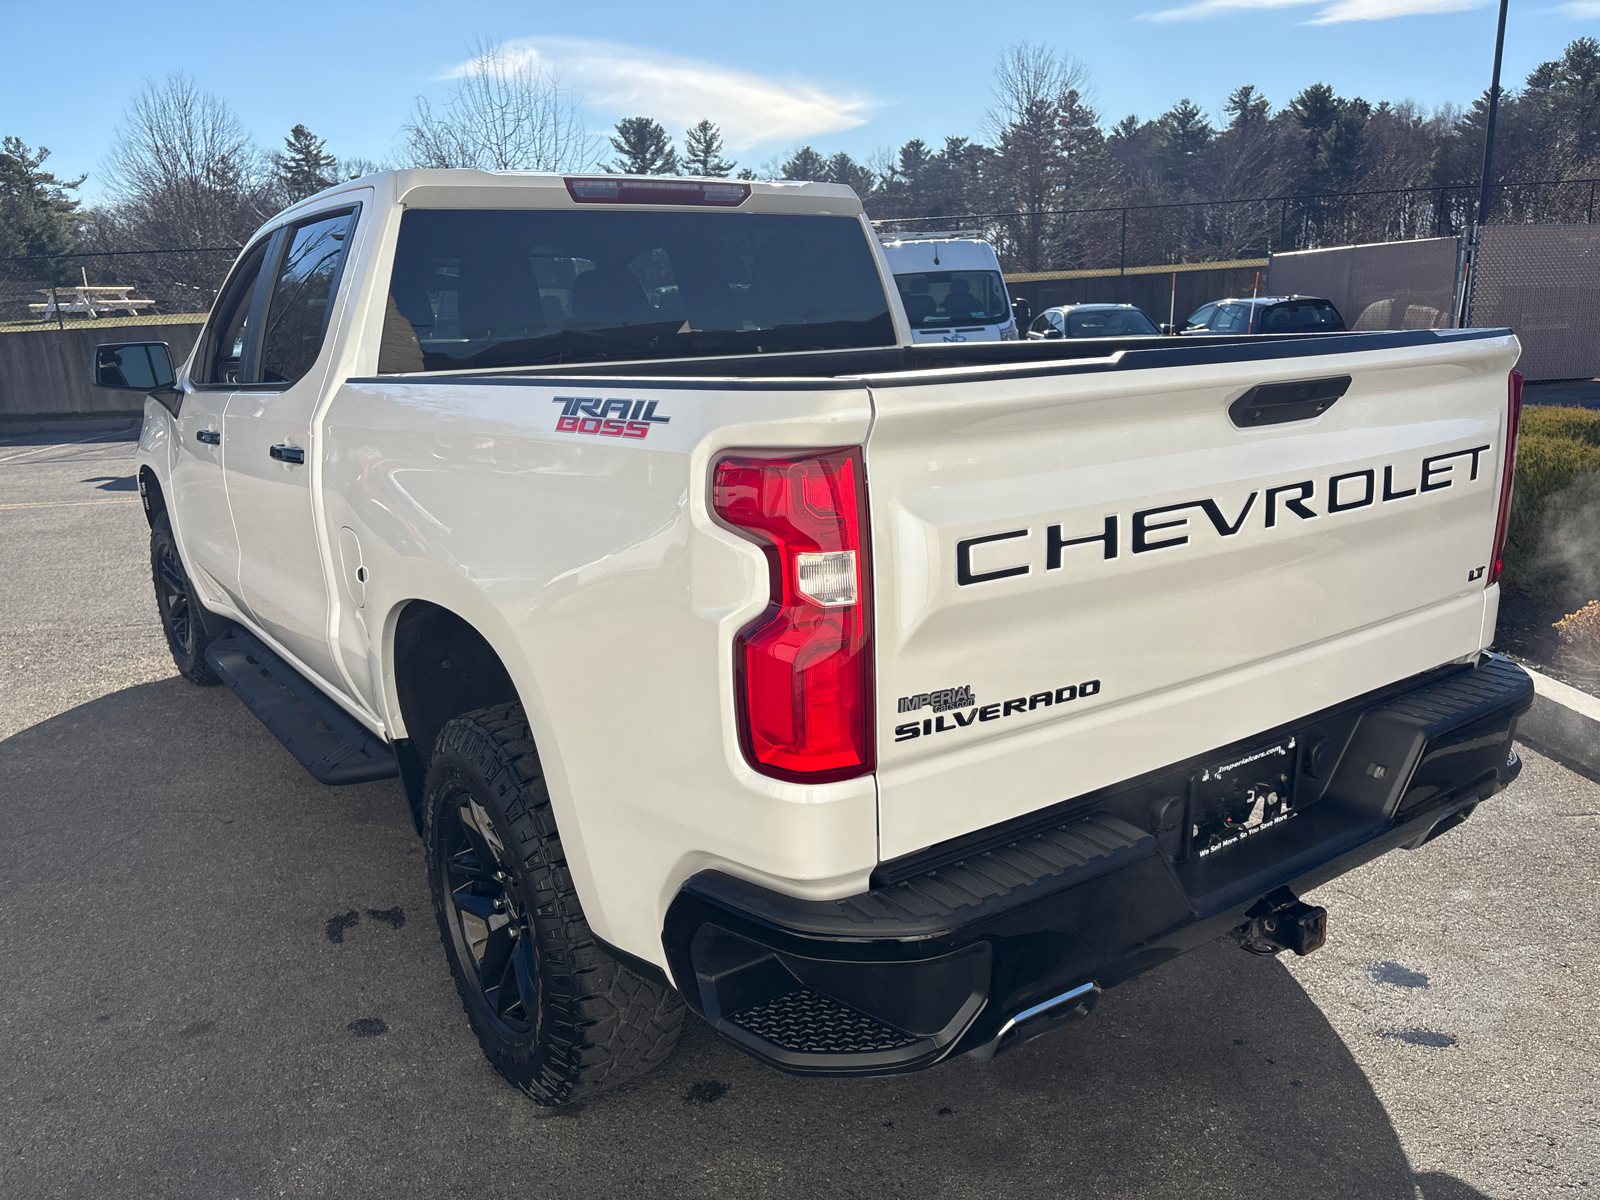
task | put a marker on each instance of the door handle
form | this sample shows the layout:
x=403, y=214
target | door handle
x=288, y=454
x=209, y=436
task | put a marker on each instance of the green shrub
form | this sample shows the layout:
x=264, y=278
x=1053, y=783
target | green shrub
x=1553, y=545
x=1572, y=424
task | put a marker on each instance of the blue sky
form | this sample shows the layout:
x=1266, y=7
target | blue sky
x=852, y=76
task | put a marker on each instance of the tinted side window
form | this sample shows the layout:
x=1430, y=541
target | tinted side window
x=1231, y=318
x=302, y=296
x=1201, y=317
x=223, y=349
x=506, y=288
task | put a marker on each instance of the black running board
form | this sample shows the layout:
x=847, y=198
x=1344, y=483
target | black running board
x=329, y=742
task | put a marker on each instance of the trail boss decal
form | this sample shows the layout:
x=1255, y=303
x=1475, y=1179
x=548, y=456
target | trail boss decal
x=607, y=418
x=1168, y=525
x=956, y=719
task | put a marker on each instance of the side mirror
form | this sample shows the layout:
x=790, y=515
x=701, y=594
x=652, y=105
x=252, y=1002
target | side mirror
x=1169, y=330
x=134, y=367
x=139, y=367
x=1053, y=333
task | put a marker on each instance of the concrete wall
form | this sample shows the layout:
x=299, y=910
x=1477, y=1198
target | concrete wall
x=49, y=372
x=1150, y=292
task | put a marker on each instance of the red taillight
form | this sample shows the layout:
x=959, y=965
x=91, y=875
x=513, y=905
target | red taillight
x=621, y=189
x=804, y=666
x=1508, y=472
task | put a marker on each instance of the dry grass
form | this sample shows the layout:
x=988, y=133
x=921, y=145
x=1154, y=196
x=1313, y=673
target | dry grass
x=1580, y=638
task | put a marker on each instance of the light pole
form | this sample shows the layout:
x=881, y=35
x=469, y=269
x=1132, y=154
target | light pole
x=1469, y=255
x=1494, y=110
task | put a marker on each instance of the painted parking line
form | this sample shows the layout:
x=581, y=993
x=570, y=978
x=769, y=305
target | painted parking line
x=92, y=439
x=71, y=503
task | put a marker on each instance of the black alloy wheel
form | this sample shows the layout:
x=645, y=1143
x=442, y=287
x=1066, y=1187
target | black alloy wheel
x=487, y=922
x=555, y=1014
x=181, y=618
x=172, y=593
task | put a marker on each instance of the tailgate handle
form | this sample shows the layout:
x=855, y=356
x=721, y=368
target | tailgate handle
x=1276, y=403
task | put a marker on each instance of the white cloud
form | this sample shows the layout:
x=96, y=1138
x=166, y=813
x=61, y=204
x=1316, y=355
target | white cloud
x=1382, y=10
x=1212, y=8
x=751, y=110
x=1334, y=12
x=1581, y=9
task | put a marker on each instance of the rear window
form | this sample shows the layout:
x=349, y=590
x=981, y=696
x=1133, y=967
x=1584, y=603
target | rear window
x=944, y=299
x=1301, y=316
x=1109, y=322
x=529, y=288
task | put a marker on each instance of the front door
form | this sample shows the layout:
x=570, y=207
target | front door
x=270, y=459
x=199, y=500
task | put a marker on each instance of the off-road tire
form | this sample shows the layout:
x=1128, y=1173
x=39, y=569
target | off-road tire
x=594, y=1023
x=181, y=618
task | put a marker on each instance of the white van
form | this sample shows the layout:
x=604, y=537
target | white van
x=951, y=286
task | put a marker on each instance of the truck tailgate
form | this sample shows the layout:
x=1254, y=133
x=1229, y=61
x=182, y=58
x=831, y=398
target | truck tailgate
x=1088, y=571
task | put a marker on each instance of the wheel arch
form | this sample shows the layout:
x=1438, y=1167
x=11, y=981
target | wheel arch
x=442, y=666
x=150, y=493
x=455, y=622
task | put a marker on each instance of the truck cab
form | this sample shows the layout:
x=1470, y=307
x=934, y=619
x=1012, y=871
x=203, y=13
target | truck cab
x=951, y=287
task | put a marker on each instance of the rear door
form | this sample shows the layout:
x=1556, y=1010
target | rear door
x=1083, y=577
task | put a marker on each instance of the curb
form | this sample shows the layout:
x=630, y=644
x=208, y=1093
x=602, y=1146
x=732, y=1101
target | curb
x=1563, y=723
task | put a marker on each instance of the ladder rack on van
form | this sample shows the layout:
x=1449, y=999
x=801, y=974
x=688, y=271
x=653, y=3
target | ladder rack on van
x=885, y=235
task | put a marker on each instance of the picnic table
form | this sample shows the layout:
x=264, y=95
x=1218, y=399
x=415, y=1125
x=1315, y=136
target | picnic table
x=90, y=299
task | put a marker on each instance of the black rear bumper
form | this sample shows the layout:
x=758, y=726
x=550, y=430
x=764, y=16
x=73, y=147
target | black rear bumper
x=975, y=945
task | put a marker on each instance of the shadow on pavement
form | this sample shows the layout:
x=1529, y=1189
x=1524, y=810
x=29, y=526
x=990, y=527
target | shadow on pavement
x=224, y=979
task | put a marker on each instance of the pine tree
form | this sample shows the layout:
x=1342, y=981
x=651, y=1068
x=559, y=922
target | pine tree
x=305, y=167
x=846, y=170
x=36, y=215
x=702, y=152
x=643, y=148
x=1182, y=135
x=1246, y=106
x=806, y=163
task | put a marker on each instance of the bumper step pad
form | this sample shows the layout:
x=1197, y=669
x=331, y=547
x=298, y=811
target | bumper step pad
x=326, y=740
x=807, y=1022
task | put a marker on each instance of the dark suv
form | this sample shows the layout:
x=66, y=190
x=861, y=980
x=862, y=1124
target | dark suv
x=1266, y=314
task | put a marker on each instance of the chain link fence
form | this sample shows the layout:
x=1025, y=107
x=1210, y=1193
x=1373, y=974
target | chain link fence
x=78, y=287
x=1543, y=281
x=1121, y=236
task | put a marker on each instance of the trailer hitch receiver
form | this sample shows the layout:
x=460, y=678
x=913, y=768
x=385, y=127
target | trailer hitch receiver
x=1281, y=921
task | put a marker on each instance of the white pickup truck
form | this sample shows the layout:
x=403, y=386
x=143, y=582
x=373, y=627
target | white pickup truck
x=878, y=702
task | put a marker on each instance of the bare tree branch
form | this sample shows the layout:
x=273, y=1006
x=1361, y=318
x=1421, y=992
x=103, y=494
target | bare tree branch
x=506, y=112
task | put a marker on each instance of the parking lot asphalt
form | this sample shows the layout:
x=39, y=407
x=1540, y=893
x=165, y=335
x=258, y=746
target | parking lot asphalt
x=220, y=979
